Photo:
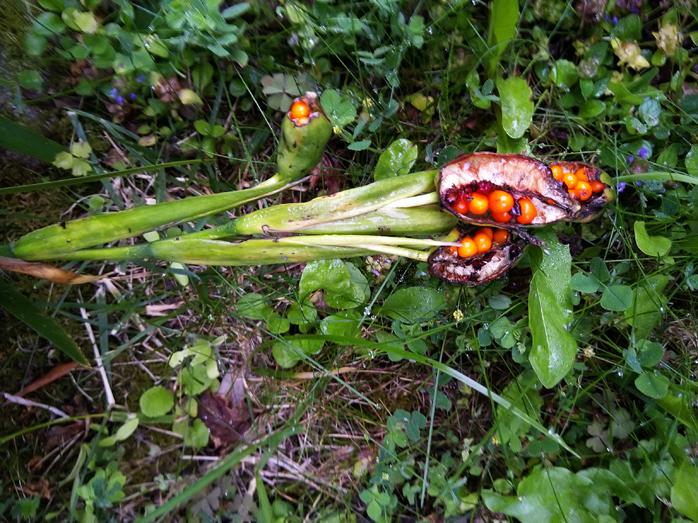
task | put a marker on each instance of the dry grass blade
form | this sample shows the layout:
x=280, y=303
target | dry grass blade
x=45, y=271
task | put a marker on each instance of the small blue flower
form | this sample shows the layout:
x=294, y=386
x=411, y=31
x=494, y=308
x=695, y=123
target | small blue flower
x=119, y=100
x=643, y=152
x=638, y=183
x=615, y=20
x=133, y=97
x=140, y=78
x=630, y=158
x=113, y=92
x=621, y=187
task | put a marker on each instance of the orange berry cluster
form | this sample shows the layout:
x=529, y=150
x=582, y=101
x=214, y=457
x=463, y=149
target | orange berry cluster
x=480, y=242
x=299, y=112
x=577, y=182
x=499, y=204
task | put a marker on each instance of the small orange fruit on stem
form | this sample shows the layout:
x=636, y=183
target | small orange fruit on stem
x=478, y=203
x=528, y=211
x=483, y=242
x=299, y=109
x=500, y=202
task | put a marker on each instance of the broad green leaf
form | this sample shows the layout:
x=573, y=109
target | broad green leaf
x=338, y=108
x=80, y=149
x=21, y=139
x=344, y=324
x=584, y=283
x=288, y=352
x=86, y=22
x=649, y=353
x=396, y=160
x=684, y=494
x=652, y=384
x=552, y=495
x=648, y=300
x=516, y=104
x=591, y=109
x=189, y=97
x=196, y=435
x=414, y=304
x=502, y=29
x=344, y=285
x=617, y=298
x=25, y=311
x=156, y=401
x=30, y=79
x=650, y=245
x=550, y=312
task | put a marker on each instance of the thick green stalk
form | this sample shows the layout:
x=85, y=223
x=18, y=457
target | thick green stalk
x=215, y=252
x=301, y=147
x=62, y=238
x=304, y=217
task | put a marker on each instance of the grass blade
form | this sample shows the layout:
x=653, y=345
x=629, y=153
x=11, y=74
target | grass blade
x=25, y=311
x=22, y=139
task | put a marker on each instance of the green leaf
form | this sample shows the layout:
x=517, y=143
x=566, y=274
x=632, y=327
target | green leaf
x=650, y=245
x=21, y=139
x=414, y=304
x=652, y=384
x=517, y=106
x=288, y=352
x=196, y=435
x=396, y=160
x=338, y=108
x=361, y=145
x=86, y=22
x=649, y=353
x=344, y=285
x=344, y=324
x=25, y=311
x=523, y=395
x=123, y=433
x=684, y=494
x=48, y=24
x=692, y=161
x=617, y=298
x=80, y=149
x=550, y=312
x=235, y=10
x=584, y=283
x=30, y=79
x=564, y=74
x=156, y=401
x=253, y=306
x=547, y=495
x=503, y=19
x=592, y=109
x=648, y=300
x=189, y=97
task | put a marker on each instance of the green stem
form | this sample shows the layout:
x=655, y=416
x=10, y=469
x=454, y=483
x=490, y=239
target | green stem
x=56, y=240
x=340, y=206
x=657, y=176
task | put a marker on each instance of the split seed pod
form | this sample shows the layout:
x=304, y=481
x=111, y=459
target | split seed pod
x=521, y=191
x=446, y=264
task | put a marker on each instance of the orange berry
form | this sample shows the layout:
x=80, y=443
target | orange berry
x=583, y=191
x=478, y=203
x=482, y=242
x=500, y=236
x=487, y=231
x=528, y=211
x=501, y=217
x=570, y=180
x=501, y=202
x=581, y=174
x=461, y=205
x=597, y=186
x=467, y=248
x=557, y=171
x=299, y=109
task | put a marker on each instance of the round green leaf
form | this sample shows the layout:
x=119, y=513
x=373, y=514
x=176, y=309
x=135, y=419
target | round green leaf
x=617, y=298
x=156, y=401
x=653, y=385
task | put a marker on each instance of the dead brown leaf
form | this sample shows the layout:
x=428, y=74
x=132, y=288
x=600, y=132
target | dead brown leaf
x=226, y=416
x=45, y=271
